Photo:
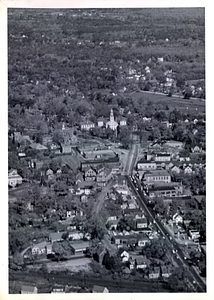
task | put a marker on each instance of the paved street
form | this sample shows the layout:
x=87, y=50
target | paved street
x=101, y=197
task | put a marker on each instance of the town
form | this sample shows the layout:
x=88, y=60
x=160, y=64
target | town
x=106, y=174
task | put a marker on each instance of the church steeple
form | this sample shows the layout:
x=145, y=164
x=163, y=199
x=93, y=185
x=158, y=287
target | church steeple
x=111, y=116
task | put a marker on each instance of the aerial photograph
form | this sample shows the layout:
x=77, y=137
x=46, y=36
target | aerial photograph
x=106, y=150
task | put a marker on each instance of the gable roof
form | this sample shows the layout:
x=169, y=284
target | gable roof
x=29, y=289
x=99, y=289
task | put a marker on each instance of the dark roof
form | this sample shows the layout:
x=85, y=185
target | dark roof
x=162, y=188
x=98, y=289
x=163, y=154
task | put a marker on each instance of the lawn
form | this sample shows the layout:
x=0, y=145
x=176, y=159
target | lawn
x=184, y=105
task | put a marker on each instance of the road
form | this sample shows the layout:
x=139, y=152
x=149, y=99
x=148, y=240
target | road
x=131, y=160
x=101, y=197
x=179, y=255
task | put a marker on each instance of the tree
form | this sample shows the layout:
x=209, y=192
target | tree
x=95, y=226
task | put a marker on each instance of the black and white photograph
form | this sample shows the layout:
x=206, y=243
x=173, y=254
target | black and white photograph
x=106, y=133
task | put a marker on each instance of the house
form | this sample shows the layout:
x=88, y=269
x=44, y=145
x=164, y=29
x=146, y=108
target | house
x=146, y=165
x=49, y=249
x=80, y=247
x=14, y=178
x=166, y=271
x=125, y=256
x=39, y=248
x=99, y=289
x=154, y=273
x=156, y=176
x=112, y=224
x=177, y=218
x=90, y=174
x=100, y=122
x=174, y=144
x=87, y=125
x=123, y=122
x=50, y=174
x=196, y=149
x=56, y=236
x=175, y=169
x=194, y=235
x=162, y=157
x=103, y=175
x=58, y=289
x=38, y=147
x=85, y=187
x=29, y=289
x=141, y=223
x=142, y=240
x=75, y=235
x=141, y=263
x=84, y=198
x=135, y=213
x=188, y=170
x=79, y=178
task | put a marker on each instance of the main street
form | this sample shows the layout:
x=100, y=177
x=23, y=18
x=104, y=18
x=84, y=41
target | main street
x=131, y=159
x=179, y=255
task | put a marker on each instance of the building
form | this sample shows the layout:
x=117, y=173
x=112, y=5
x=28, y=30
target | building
x=29, y=289
x=100, y=122
x=141, y=223
x=87, y=125
x=172, y=190
x=156, y=176
x=90, y=174
x=38, y=147
x=131, y=240
x=56, y=236
x=174, y=144
x=14, y=178
x=39, y=248
x=58, y=290
x=123, y=122
x=162, y=157
x=112, y=124
x=154, y=273
x=145, y=165
x=166, y=271
x=111, y=162
x=99, y=289
x=80, y=247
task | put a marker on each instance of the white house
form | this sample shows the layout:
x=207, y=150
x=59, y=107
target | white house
x=14, y=178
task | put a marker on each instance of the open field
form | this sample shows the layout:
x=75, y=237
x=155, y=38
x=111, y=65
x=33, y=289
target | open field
x=184, y=105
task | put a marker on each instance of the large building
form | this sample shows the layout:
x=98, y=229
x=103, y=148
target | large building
x=87, y=125
x=170, y=190
x=112, y=123
x=146, y=165
x=156, y=176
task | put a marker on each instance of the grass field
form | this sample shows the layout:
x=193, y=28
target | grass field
x=184, y=105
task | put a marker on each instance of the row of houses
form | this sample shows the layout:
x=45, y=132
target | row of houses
x=186, y=166
x=79, y=246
